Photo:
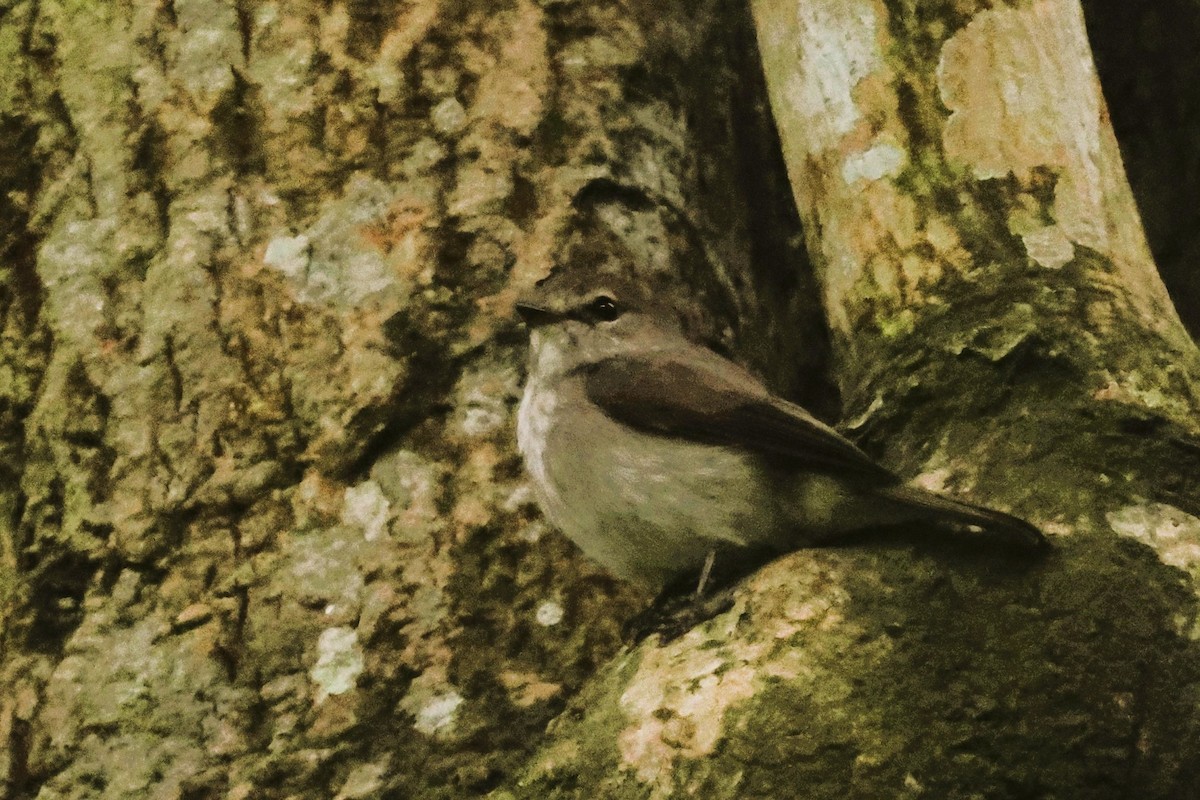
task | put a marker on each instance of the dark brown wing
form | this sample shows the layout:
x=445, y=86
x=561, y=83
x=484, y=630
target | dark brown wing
x=708, y=399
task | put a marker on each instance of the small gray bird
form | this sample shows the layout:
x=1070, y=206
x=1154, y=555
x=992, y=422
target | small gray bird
x=652, y=453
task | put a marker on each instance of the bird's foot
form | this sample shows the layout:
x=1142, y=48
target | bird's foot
x=671, y=617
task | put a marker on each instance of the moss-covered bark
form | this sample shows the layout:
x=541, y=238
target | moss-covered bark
x=263, y=532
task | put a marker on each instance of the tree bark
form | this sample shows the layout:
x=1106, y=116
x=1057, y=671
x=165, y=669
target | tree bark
x=264, y=532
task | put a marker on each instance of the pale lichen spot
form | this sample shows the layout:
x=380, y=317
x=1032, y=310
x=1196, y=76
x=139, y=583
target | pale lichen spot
x=322, y=567
x=331, y=262
x=682, y=700
x=365, y=780
x=934, y=480
x=1047, y=115
x=841, y=48
x=1004, y=120
x=438, y=714
x=549, y=613
x=677, y=702
x=289, y=254
x=339, y=662
x=533, y=532
x=266, y=15
x=1049, y=247
x=448, y=117
x=518, y=498
x=483, y=397
x=388, y=79
x=413, y=488
x=881, y=160
x=1056, y=528
x=803, y=612
x=425, y=154
x=365, y=507
x=1173, y=534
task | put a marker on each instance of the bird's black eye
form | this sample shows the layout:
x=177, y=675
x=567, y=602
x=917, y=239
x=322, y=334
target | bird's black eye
x=605, y=308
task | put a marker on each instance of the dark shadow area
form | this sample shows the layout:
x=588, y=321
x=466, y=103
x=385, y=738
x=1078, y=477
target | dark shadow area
x=749, y=218
x=1148, y=60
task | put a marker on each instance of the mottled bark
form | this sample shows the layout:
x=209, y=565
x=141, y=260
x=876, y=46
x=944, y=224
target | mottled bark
x=1001, y=333
x=263, y=532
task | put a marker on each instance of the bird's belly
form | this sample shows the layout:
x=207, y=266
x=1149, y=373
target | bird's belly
x=649, y=507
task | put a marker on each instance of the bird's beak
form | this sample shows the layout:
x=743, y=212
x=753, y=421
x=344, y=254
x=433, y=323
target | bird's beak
x=535, y=315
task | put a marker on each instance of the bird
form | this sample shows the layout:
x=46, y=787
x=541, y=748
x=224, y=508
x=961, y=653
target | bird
x=654, y=453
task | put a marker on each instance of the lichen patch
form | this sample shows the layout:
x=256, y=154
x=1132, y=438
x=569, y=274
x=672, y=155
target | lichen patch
x=365, y=507
x=1173, y=533
x=438, y=713
x=841, y=49
x=1046, y=114
x=1049, y=246
x=339, y=662
x=1010, y=121
x=880, y=160
x=677, y=704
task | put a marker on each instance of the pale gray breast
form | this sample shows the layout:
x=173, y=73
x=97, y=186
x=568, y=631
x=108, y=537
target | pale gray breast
x=645, y=506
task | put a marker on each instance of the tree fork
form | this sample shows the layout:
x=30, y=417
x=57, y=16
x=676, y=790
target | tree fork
x=1000, y=331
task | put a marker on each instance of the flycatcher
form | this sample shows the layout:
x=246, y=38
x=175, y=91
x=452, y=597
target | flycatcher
x=651, y=452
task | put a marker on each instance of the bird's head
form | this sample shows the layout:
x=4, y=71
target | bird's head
x=576, y=318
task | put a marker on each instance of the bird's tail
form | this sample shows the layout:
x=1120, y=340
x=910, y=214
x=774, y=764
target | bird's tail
x=936, y=506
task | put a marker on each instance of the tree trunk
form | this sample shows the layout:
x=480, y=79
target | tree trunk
x=263, y=532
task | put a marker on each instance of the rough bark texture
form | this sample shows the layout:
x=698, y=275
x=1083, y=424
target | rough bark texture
x=1000, y=332
x=263, y=532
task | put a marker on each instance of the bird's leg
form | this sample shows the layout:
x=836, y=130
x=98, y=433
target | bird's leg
x=704, y=573
x=674, y=615
x=678, y=610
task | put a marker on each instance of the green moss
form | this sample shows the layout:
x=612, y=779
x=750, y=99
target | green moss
x=12, y=88
x=789, y=742
x=896, y=325
x=1036, y=693
x=582, y=753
